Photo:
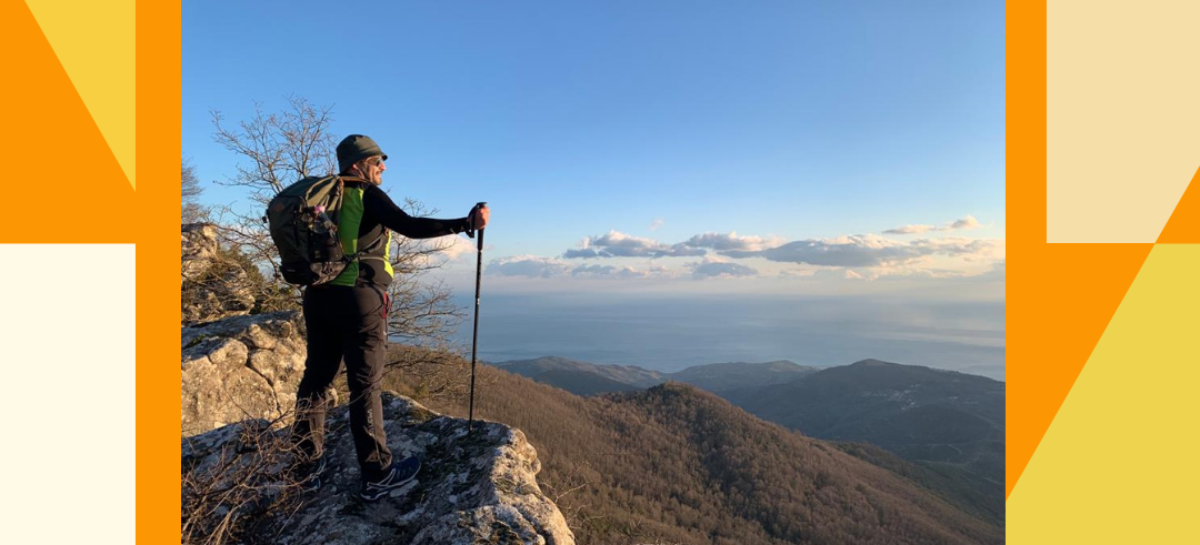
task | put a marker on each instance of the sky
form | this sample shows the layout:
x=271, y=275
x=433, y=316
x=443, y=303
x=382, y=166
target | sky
x=644, y=149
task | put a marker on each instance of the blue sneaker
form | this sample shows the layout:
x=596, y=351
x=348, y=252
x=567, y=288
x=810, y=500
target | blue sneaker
x=398, y=475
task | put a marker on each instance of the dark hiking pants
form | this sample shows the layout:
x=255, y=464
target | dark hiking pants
x=351, y=324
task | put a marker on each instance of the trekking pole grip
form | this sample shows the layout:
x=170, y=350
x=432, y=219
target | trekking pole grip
x=471, y=231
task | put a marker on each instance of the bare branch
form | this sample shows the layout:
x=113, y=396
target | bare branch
x=281, y=147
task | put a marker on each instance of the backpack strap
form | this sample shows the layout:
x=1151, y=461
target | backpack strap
x=359, y=255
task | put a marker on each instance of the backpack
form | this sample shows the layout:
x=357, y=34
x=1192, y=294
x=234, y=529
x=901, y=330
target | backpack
x=303, y=221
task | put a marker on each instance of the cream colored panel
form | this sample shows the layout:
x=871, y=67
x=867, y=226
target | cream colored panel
x=1123, y=116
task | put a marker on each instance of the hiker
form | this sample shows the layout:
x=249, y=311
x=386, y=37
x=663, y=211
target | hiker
x=347, y=319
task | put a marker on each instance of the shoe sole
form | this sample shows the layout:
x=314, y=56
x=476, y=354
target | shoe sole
x=381, y=493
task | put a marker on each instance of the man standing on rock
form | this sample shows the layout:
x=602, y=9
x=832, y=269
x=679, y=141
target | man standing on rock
x=347, y=319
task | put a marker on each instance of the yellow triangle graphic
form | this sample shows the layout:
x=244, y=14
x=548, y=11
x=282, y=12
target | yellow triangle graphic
x=94, y=41
x=1118, y=464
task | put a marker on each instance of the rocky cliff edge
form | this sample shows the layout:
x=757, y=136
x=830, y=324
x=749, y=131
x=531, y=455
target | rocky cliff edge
x=477, y=487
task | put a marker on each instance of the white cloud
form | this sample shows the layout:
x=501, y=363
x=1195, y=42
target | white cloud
x=855, y=257
x=713, y=267
x=458, y=247
x=868, y=251
x=593, y=270
x=626, y=272
x=431, y=252
x=798, y=273
x=731, y=241
x=654, y=225
x=618, y=244
x=968, y=222
x=527, y=265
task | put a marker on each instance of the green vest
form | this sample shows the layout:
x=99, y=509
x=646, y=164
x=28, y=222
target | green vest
x=349, y=220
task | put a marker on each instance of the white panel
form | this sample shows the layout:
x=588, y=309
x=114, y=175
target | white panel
x=67, y=335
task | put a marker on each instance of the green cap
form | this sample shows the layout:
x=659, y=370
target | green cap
x=355, y=148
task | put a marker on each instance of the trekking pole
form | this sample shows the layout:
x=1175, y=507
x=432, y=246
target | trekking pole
x=475, y=335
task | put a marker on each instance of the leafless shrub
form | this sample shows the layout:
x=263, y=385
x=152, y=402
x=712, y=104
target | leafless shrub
x=577, y=512
x=246, y=471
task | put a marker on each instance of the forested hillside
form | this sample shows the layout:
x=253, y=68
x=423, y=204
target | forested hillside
x=680, y=465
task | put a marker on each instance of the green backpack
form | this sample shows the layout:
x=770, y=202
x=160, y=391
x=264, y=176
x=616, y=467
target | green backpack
x=303, y=220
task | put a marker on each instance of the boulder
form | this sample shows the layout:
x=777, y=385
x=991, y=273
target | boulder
x=240, y=368
x=477, y=487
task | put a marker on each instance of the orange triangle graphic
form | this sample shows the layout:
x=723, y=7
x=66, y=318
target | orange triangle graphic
x=73, y=188
x=1184, y=224
x=1070, y=292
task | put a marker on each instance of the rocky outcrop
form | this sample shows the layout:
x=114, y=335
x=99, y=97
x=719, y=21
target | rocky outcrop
x=211, y=285
x=477, y=487
x=240, y=368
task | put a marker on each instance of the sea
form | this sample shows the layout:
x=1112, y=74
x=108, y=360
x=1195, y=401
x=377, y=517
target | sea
x=669, y=333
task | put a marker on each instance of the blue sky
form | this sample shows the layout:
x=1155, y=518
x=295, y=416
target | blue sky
x=651, y=132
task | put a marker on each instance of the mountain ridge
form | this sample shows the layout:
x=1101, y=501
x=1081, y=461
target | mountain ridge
x=714, y=377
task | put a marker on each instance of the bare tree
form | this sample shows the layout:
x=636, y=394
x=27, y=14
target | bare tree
x=190, y=189
x=421, y=310
x=246, y=235
x=282, y=147
x=189, y=184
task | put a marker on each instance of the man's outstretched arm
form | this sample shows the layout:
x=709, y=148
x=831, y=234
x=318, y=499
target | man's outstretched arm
x=380, y=206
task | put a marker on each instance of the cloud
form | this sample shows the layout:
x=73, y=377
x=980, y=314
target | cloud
x=527, y=265
x=715, y=268
x=609, y=271
x=798, y=273
x=593, y=270
x=870, y=256
x=967, y=248
x=617, y=244
x=867, y=251
x=995, y=272
x=999, y=271
x=630, y=272
x=431, y=252
x=732, y=242
x=968, y=222
x=654, y=225
x=458, y=247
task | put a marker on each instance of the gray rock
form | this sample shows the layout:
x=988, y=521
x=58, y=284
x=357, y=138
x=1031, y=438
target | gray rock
x=197, y=247
x=240, y=368
x=212, y=287
x=476, y=488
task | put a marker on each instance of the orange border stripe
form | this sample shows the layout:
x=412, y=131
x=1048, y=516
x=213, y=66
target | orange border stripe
x=158, y=152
